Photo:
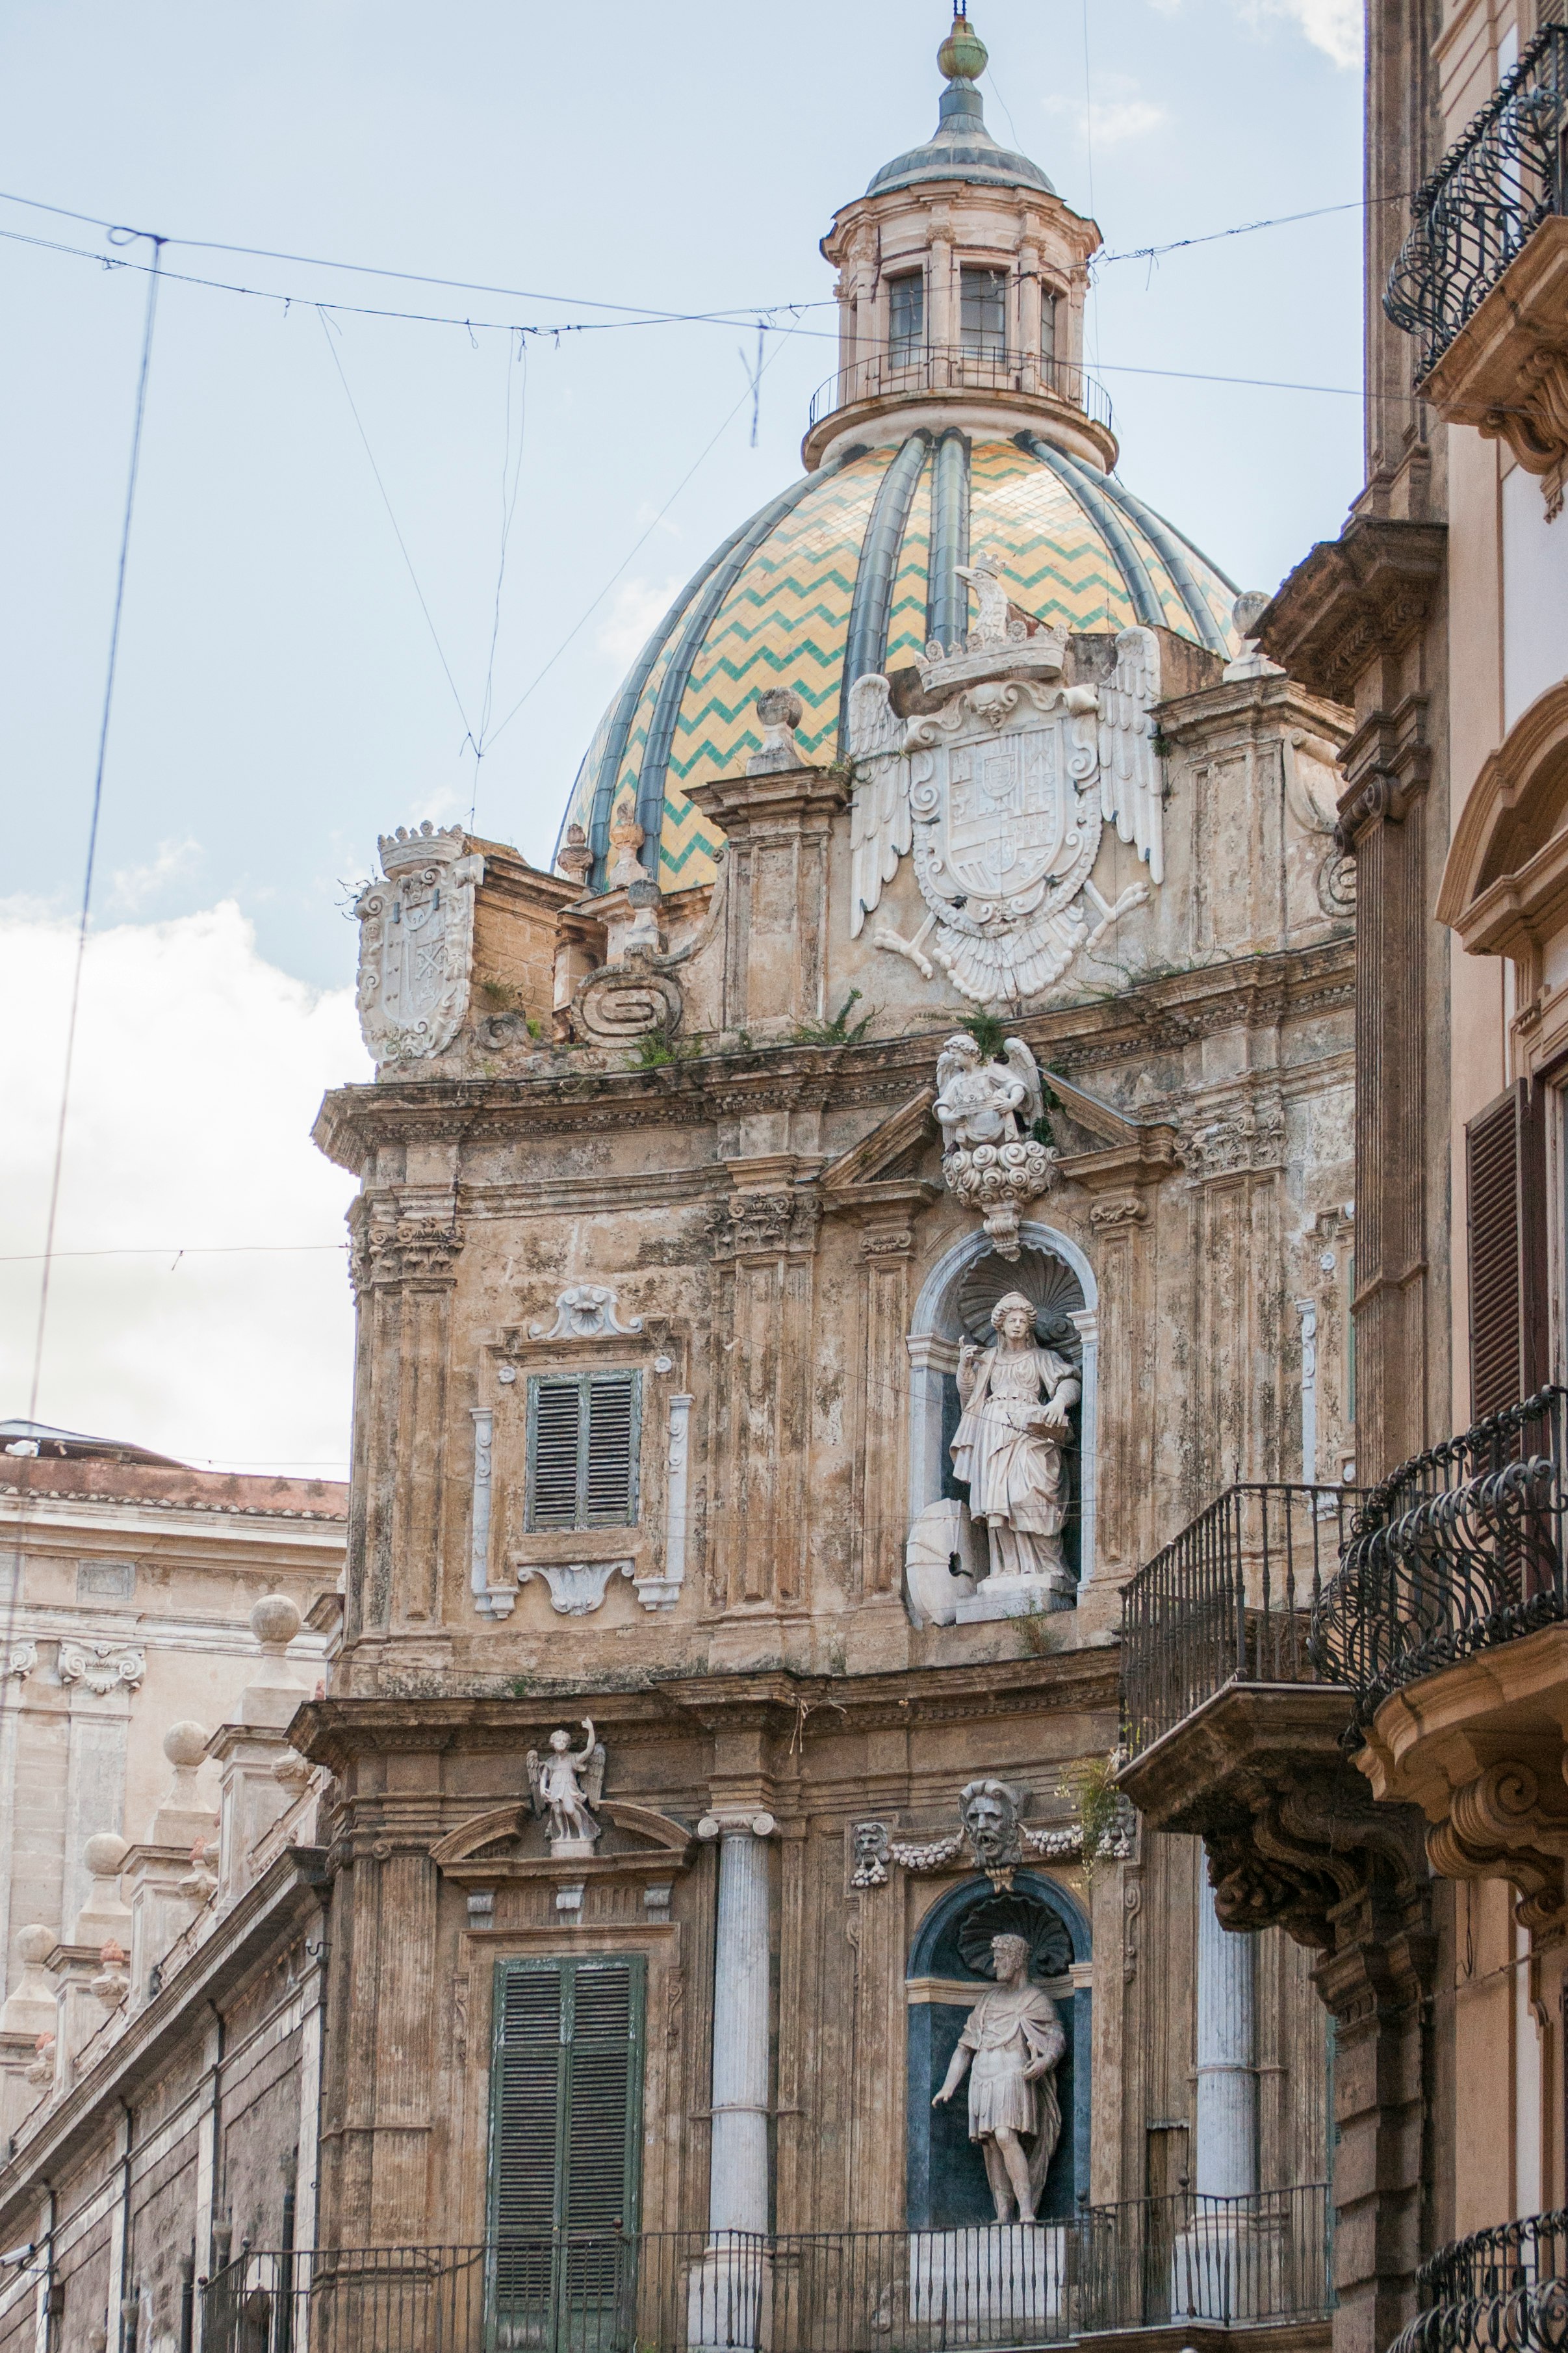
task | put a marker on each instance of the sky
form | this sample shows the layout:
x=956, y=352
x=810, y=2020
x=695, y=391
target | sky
x=364, y=545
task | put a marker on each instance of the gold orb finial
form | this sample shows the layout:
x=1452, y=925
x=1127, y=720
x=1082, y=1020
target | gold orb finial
x=962, y=56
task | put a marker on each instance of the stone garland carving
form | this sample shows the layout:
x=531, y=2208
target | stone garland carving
x=564, y=1786
x=101, y=1667
x=416, y=942
x=586, y=1311
x=1003, y=795
x=988, y=1110
x=992, y=1828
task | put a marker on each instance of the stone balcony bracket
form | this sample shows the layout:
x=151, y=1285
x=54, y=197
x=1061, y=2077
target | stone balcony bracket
x=1481, y=1748
x=1506, y=371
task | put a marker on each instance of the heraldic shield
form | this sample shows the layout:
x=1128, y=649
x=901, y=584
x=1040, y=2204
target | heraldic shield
x=416, y=942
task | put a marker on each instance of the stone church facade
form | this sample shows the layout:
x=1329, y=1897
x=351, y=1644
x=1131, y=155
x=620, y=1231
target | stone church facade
x=933, y=1056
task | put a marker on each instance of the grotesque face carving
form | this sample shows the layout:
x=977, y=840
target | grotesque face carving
x=990, y=1816
x=870, y=1842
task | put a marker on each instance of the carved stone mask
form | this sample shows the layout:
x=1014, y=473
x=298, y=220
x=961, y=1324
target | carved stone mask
x=871, y=1840
x=990, y=1817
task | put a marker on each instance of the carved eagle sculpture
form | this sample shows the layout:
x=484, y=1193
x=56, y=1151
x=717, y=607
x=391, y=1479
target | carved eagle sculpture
x=1132, y=795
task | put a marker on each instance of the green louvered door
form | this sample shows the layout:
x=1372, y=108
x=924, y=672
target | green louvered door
x=565, y=2137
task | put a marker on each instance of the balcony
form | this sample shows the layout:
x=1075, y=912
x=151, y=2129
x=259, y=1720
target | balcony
x=909, y=375
x=1183, y=2262
x=1485, y=201
x=1481, y=281
x=1448, y=1623
x=1499, y=2291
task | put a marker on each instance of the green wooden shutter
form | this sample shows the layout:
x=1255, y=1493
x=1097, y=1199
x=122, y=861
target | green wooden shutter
x=567, y=2104
x=582, y=1436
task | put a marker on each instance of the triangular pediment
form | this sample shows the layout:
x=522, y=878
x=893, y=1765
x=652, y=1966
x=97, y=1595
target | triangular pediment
x=894, y=1148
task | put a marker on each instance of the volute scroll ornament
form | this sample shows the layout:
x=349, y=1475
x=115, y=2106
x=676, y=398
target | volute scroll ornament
x=621, y=1004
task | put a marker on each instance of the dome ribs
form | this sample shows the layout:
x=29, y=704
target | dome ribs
x=1102, y=512
x=721, y=579
x=947, y=598
x=1170, y=551
x=870, y=612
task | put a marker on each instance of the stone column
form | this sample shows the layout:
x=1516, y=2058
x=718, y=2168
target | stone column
x=1227, y=2060
x=738, y=2184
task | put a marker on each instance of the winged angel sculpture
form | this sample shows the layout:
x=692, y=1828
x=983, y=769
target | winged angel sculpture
x=566, y=1784
x=985, y=1108
x=1003, y=796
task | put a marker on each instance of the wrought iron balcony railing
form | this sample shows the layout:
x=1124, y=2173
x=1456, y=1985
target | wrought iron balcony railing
x=955, y=367
x=1229, y=1600
x=1499, y=2291
x=1488, y=196
x=1146, y=2263
x=1461, y=1548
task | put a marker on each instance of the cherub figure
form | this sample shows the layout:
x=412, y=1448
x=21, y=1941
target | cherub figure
x=982, y=1102
x=567, y=1783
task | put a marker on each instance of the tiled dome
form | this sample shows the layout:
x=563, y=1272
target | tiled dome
x=851, y=570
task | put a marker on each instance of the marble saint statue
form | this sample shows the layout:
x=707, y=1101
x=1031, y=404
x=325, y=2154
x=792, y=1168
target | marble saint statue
x=1010, y=2047
x=1008, y=1445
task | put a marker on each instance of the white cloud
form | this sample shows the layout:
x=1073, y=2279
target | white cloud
x=1332, y=26
x=131, y=887
x=634, y=608
x=199, y=1069
x=1116, y=115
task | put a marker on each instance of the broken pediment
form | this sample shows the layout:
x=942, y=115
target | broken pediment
x=509, y=1842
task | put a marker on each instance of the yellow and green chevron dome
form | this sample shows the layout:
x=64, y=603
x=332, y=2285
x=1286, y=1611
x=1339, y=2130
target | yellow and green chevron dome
x=854, y=569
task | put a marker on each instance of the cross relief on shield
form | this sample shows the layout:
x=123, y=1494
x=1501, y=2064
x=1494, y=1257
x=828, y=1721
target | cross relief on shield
x=416, y=942
x=1002, y=796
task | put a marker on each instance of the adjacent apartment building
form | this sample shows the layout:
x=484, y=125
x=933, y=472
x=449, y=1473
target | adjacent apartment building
x=1390, y=1785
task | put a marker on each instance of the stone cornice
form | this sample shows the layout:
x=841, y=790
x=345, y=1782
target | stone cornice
x=776, y=1703
x=1353, y=600
x=1167, y=1011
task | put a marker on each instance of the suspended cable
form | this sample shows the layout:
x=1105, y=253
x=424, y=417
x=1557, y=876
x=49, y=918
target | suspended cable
x=401, y=543
x=507, y=510
x=111, y=669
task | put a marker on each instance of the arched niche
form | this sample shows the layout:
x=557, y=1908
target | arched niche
x=945, y=2177
x=933, y=1340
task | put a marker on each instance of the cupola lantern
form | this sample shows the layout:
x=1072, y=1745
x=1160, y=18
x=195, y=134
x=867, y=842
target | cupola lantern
x=961, y=278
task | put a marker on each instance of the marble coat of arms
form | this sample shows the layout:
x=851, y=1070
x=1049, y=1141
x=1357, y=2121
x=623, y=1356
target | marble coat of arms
x=416, y=942
x=1002, y=795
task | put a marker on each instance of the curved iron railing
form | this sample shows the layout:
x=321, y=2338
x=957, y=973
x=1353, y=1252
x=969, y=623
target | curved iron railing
x=1229, y=1600
x=1461, y=1548
x=1492, y=190
x=948, y=368
x=1499, y=2291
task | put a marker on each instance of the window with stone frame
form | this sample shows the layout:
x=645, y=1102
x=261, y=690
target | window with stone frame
x=905, y=318
x=983, y=312
x=583, y=1437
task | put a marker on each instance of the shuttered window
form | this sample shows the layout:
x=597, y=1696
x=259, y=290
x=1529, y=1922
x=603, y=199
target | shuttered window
x=565, y=2142
x=583, y=1433
x=1505, y=1159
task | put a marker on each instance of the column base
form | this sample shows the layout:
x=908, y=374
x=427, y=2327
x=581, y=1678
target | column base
x=728, y=2298
x=998, y=2275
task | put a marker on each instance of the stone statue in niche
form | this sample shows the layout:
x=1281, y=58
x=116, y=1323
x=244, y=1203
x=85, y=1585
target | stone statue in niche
x=1015, y=1397
x=1010, y=2048
x=566, y=1784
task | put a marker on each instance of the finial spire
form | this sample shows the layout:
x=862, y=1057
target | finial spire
x=962, y=56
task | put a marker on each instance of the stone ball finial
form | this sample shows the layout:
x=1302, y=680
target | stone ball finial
x=104, y=1855
x=1248, y=609
x=963, y=55
x=36, y=1942
x=185, y=1744
x=275, y=1621
x=780, y=706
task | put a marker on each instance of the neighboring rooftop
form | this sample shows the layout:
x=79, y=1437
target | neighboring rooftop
x=64, y=1466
